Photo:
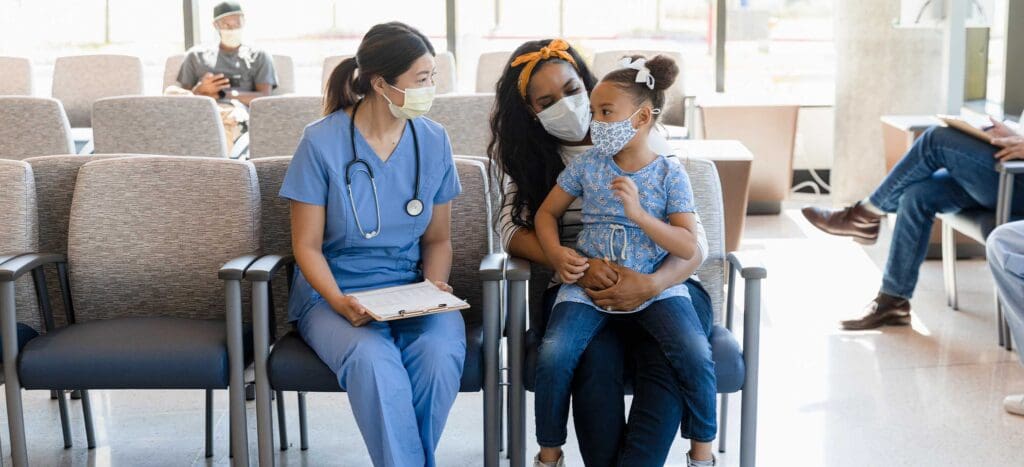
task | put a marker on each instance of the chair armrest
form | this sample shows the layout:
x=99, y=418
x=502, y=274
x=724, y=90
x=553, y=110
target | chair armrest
x=749, y=266
x=492, y=267
x=1013, y=167
x=234, y=270
x=4, y=258
x=517, y=269
x=16, y=267
x=265, y=267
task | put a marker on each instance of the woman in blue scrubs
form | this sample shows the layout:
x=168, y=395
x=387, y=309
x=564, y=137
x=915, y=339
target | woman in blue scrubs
x=370, y=188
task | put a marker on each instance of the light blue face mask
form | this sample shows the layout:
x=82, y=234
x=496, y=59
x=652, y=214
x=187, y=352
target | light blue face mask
x=610, y=137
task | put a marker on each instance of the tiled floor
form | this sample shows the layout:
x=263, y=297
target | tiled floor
x=925, y=395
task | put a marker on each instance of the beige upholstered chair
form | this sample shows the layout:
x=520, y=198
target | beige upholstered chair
x=276, y=123
x=15, y=76
x=769, y=131
x=145, y=239
x=33, y=126
x=447, y=73
x=330, y=63
x=171, y=68
x=489, y=67
x=79, y=81
x=19, y=232
x=167, y=125
x=467, y=119
x=674, y=112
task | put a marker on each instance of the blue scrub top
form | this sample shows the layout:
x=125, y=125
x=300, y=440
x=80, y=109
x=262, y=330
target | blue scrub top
x=316, y=176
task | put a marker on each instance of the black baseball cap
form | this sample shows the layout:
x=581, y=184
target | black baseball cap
x=226, y=9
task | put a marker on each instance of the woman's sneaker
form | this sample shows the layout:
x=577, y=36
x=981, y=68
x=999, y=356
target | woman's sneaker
x=1014, y=404
x=693, y=463
x=559, y=463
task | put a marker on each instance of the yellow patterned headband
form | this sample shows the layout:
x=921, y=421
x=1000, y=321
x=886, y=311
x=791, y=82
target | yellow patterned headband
x=557, y=48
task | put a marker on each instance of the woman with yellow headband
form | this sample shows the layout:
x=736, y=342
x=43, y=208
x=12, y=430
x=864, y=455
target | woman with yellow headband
x=541, y=123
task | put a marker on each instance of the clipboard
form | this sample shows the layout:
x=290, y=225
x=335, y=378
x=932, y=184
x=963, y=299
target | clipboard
x=408, y=301
x=965, y=126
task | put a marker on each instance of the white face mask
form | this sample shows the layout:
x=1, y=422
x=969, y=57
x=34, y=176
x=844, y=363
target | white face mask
x=231, y=37
x=568, y=119
x=417, y=102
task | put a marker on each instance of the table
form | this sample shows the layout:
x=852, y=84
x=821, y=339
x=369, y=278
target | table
x=733, y=161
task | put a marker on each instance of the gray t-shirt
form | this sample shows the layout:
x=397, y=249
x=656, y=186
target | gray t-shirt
x=245, y=68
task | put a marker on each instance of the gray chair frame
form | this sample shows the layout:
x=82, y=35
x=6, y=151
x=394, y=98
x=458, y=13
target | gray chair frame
x=266, y=267
x=952, y=223
x=13, y=269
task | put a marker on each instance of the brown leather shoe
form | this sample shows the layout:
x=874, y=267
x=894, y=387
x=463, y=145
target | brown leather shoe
x=882, y=311
x=855, y=221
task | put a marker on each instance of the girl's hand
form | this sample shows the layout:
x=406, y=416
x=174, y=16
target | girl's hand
x=443, y=286
x=999, y=129
x=626, y=191
x=599, y=275
x=350, y=308
x=568, y=264
x=1013, y=148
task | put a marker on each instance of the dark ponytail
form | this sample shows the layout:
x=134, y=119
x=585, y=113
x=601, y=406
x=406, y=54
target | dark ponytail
x=664, y=71
x=387, y=50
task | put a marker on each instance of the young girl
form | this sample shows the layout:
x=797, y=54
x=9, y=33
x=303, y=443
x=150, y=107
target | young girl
x=637, y=209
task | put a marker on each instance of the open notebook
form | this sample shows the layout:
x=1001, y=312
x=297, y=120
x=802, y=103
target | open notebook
x=408, y=301
x=971, y=126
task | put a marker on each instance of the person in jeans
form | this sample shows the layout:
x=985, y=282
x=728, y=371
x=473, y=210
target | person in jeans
x=1005, y=251
x=945, y=171
x=637, y=210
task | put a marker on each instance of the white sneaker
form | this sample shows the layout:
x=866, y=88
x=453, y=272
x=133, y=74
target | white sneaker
x=1014, y=404
x=692, y=463
x=538, y=463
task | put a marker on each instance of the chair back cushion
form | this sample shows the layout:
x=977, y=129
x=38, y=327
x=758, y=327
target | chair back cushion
x=707, y=192
x=494, y=198
x=19, y=231
x=284, y=67
x=446, y=80
x=164, y=125
x=33, y=126
x=147, y=235
x=275, y=220
x=15, y=76
x=489, y=67
x=276, y=123
x=472, y=237
x=330, y=63
x=673, y=113
x=80, y=80
x=171, y=68
x=467, y=118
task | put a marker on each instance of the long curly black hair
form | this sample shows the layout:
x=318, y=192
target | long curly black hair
x=520, y=148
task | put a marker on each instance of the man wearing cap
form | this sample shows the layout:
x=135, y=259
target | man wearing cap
x=231, y=70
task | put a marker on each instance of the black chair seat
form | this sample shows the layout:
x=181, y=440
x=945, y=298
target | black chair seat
x=294, y=366
x=25, y=334
x=725, y=351
x=131, y=353
x=975, y=223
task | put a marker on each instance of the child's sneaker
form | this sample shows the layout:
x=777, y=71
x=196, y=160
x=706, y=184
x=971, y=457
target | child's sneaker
x=693, y=463
x=559, y=463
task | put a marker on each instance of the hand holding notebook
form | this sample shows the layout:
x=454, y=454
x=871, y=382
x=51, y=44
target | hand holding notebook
x=408, y=301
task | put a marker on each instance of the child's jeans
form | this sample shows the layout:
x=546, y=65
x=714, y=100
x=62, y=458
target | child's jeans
x=682, y=335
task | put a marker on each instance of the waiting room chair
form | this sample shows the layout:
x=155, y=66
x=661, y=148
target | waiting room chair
x=78, y=81
x=171, y=68
x=33, y=126
x=290, y=365
x=736, y=368
x=15, y=76
x=276, y=123
x=144, y=240
x=676, y=108
x=330, y=63
x=167, y=125
x=769, y=131
x=978, y=224
x=447, y=73
x=467, y=119
x=489, y=68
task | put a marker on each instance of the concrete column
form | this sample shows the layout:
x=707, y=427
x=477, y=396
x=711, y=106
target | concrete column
x=881, y=70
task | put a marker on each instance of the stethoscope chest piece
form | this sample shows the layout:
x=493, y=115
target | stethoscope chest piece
x=414, y=207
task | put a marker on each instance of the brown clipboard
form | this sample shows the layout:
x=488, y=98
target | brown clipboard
x=958, y=123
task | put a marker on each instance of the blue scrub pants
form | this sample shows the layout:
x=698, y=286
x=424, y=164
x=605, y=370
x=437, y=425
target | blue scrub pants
x=401, y=377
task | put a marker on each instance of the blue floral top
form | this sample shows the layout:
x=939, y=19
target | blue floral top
x=664, y=189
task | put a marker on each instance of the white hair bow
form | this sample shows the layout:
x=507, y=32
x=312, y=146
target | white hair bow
x=643, y=74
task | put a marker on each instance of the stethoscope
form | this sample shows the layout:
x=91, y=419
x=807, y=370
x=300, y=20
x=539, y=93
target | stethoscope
x=414, y=207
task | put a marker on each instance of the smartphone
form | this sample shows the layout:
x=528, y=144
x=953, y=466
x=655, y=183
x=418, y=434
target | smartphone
x=234, y=81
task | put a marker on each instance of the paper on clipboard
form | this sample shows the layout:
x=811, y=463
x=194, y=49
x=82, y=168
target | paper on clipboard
x=969, y=126
x=407, y=301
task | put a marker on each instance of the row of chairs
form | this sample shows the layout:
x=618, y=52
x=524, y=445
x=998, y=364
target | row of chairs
x=191, y=125
x=135, y=257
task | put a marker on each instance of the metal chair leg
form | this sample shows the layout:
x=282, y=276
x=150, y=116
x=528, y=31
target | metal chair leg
x=65, y=423
x=303, y=427
x=209, y=423
x=90, y=432
x=949, y=264
x=1000, y=325
x=12, y=382
x=723, y=420
x=283, y=427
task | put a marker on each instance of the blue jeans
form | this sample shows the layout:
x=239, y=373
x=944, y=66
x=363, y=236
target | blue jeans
x=681, y=335
x=944, y=171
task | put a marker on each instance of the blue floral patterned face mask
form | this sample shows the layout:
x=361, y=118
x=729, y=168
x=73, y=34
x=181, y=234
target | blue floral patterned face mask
x=610, y=137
